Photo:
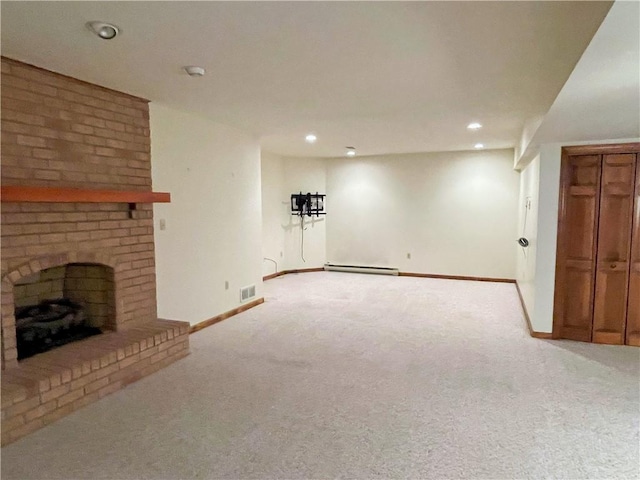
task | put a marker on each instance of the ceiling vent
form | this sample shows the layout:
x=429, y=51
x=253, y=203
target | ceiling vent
x=194, y=71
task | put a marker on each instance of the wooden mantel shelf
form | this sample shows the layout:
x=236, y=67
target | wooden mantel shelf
x=79, y=195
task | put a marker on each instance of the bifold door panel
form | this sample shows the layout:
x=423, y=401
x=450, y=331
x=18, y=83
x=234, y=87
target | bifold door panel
x=597, y=295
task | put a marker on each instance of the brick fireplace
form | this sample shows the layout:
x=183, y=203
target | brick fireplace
x=57, y=134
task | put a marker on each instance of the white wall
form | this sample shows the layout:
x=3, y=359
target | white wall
x=213, y=223
x=275, y=213
x=528, y=228
x=282, y=177
x=455, y=213
x=305, y=175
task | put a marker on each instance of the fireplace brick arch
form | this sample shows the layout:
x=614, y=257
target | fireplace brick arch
x=44, y=262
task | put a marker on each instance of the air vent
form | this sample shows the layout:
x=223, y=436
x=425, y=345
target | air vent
x=247, y=292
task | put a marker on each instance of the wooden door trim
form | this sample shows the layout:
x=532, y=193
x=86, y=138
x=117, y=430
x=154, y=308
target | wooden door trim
x=560, y=243
x=602, y=149
x=630, y=263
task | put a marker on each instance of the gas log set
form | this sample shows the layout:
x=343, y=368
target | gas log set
x=50, y=324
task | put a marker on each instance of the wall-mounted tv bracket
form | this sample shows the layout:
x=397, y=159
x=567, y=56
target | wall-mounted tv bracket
x=308, y=204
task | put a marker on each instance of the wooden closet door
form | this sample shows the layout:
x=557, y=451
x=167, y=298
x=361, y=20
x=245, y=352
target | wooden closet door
x=576, y=260
x=633, y=309
x=617, y=197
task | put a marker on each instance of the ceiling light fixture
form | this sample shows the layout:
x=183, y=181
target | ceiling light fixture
x=478, y=146
x=474, y=126
x=311, y=138
x=351, y=152
x=194, y=71
x=105, y=31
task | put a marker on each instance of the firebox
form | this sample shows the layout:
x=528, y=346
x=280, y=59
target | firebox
x=63, y=304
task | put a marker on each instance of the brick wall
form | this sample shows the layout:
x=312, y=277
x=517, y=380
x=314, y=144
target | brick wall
x=58, y=131
x=92, y=287
x=45, y=285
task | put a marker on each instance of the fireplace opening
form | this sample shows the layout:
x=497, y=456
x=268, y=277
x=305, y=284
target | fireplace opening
x=60, y=305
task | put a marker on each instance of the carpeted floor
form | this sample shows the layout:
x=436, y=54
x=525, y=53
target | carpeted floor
x=358, y=376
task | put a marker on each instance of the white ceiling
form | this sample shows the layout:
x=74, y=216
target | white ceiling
x=384, y=77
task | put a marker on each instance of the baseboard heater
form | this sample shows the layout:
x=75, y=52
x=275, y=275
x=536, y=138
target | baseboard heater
x=330, y=267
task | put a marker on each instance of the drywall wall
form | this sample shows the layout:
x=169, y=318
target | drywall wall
x=454, y=213
x=281, y=177
x=528, y=228
x=305, y=175
x=275, y=213
x=213, y=223
x=543, y=282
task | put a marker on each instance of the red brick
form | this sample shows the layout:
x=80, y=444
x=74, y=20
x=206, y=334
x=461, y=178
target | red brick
x=71, y=137
x=25, y=429
x=85, y=400
x=58, y=413
x=31, y=141
x=70, y=397
x=22, y=407
x=84, y=129
x=40, y=411
x=13, y=423
x=54, y=393
x=103, y=372
x=178, y=347
x=17, y=116
x=45, y=154
x=112, y=387
x=158, y=356
x=13, y=127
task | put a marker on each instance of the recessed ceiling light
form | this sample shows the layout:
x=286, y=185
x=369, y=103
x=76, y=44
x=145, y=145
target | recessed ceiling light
x=474, y=126
x=351, y=152
x=194, y=71
x=311, y=138
x=104, y=30
x=478, y=146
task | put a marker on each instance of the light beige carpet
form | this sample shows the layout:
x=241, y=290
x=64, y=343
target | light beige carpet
x=356, y=376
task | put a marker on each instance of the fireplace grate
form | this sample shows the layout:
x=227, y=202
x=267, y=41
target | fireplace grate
x=50, y=324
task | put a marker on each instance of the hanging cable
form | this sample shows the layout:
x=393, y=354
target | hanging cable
x=274, y=262
x=302, y=237
x=522, y=241
x=527, y=205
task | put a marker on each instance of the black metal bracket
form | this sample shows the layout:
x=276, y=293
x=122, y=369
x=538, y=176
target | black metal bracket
x=309, y=204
